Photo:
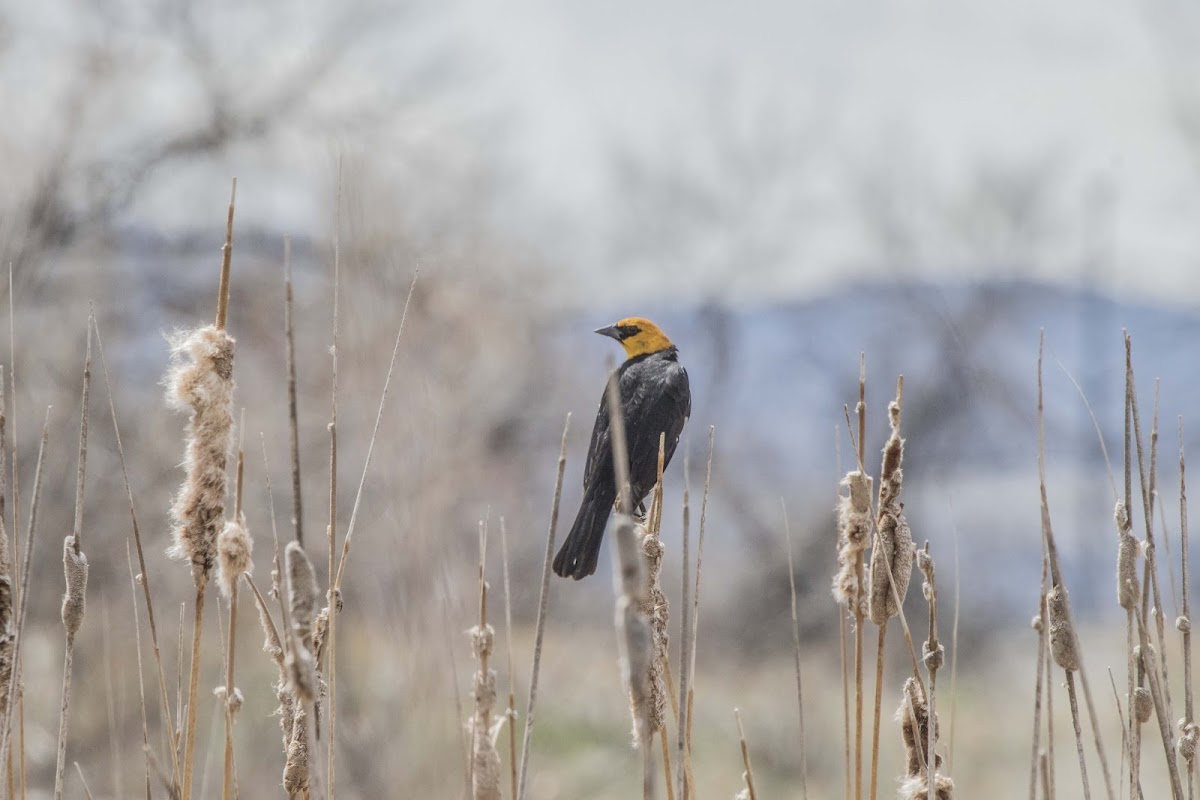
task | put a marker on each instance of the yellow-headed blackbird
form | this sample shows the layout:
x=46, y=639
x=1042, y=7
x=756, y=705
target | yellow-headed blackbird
x=655, y=400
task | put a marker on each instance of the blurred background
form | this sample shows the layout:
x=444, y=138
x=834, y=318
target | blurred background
x=781, y=186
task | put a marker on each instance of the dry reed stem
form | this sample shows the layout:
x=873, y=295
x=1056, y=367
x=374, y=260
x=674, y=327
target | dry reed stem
x=226, y=259
x=934, y=656
x=23, y=608
x=748, y=775
x=712, y=430
x=1039, y=625
x=137, y=630
x=7, y=588
x=1056, y=579
x=17, y=588
x=685, y=635
x=511, y=713
x=293, y=412
x=110, y=706
x=1156, y=673
x=374, y=433
x=234, y=547
x=859, y=578
x=1047, y=792
x=485, y=759
x=787, y=530
x=891, y=560
x=75, y=573
x=164, y=696
x=634, y=638
x=954, y=647
x=543, y=607
x=1188, y=730
x=86, y=791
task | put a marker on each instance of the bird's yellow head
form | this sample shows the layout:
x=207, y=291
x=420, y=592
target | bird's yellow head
x=637, y=335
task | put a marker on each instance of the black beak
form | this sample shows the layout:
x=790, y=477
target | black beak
x=611, y=332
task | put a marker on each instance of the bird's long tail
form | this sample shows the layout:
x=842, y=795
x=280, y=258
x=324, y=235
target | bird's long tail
x=580, y=552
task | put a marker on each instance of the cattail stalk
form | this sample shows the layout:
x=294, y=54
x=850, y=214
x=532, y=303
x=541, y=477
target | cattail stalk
x=891, y=559
x=7, y=588
x=137, y=630
x=75, y=571
x=696, y=597
x=233, y=561
x=685, y=642
x=1039, y=627
x=1155, y=673
x=164, y=696
x=1056, y=581
x=293, y=413
x=787, y=529
x=204, y=388
x=748, y=775
x=511, y=712
x=1188, y=730
x=543, y=606
x=485, y=759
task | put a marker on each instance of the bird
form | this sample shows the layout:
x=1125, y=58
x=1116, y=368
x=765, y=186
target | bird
x=656, y=400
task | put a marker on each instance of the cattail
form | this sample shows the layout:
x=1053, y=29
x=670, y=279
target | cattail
x=302, y=604
x=234, y=547
x=301, y=593
x=75, y=568
x=485, y=780
x=892, y=557
x=914, y=718
x=654, y=607
x=854, y=529
x=1143, y=705
x=201, y=382
x=1127, y=552
x=295, y=770
x=233, y=701
x=1189, y=736
x=635, y=638
x=1062, y=635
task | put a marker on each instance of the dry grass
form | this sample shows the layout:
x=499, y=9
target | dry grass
x=387, y=686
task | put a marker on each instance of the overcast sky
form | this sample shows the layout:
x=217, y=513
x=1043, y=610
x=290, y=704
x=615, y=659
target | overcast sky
x=933, y=91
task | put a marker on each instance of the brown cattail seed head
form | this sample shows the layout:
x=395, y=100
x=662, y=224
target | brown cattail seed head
x=234, y=546
x=1036, y=623
x=1127, y=552
x=934, y=658
x=201, y=382
x=1143, y=704
x=1183, y=624
x=636, y=643
x=913, y=716
x=854, y=529
x=302, y=592
x=75, y=568
x=1062, y=635
x=892, y=556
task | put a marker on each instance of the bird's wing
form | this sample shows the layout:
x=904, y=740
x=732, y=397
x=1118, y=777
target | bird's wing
x=599, y=457
x=657, y=404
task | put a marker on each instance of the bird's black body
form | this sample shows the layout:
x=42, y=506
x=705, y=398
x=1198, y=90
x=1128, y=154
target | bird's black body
x=655, y=399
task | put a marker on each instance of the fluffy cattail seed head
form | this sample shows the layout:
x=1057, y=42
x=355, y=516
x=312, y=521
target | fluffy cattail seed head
x=75, y=569
x=233, y=701
x=302, y=673
x=201, y=382
x=1062, y=635
x=854, y=529
x=1036, y=623
x=234, y=546
x=1183, y=624
x=653, y=605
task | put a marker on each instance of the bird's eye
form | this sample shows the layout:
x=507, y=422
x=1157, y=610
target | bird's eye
x=629, y=330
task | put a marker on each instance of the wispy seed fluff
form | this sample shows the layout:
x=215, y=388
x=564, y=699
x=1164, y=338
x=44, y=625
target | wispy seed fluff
x=75, y=569
x=201, y=382
x=234, y=547
x=1127, y=552
x=854, y=529
x=1062, y=635
x=485, y=780
x=295, y=770
x=893, y=554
